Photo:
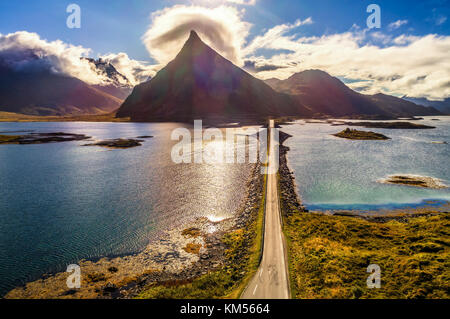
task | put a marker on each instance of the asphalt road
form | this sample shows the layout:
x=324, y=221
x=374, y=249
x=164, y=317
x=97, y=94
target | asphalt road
x=271, y=280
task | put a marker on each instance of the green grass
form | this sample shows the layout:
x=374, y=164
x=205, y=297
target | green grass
x=360, y=135
x=329, y=255
x=241, y=262
x=8, y=138
x=16, y=117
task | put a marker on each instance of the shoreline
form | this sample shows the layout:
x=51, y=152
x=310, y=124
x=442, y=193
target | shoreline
x=289, y=197
x=179, y=256
x=110, y=118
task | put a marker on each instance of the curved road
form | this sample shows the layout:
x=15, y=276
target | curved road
x=271, y=280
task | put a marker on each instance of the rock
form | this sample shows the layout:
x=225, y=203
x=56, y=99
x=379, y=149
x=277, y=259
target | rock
x=42, y=138
x=414, y=180
x=117, y=143
x=360, y=135
x=113, y=269
x=109, y=288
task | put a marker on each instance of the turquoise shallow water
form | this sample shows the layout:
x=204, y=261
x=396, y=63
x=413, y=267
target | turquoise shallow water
x=62, y=202
x=334, y=173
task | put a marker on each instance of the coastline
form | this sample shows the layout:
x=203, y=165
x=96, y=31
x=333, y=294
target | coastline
x=289, y=197
x=178, y=257
x=17, y=117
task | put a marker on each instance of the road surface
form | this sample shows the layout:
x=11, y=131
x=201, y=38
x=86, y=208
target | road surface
x=271, y=280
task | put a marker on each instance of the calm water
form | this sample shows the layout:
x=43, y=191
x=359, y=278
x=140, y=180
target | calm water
x=62, y=202
x=335, y=173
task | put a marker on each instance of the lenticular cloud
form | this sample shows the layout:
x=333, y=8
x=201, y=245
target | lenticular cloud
x=222, y=28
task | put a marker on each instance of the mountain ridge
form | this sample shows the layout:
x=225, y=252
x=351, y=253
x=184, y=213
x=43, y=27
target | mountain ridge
x=442, y=106
x=328, y=95
x=119, y=86
x=201, y=83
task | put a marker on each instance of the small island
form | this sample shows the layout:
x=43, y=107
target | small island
x=360, y=135
x=117, y=143
x=41, y=138
x=414, y=180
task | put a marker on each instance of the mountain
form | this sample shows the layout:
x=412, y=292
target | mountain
x=42, y=92
x=200, y=83
x=325, y=94
x=442, y=106
x=118, y=86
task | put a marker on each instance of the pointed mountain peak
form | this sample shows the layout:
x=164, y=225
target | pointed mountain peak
x=194, y=38
x=194, y=45
x=194, y=34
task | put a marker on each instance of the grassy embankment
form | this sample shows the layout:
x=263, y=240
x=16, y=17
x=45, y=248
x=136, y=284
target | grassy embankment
x=16, y=117
x=329, y=255
x=8, y=138
x=241, y=263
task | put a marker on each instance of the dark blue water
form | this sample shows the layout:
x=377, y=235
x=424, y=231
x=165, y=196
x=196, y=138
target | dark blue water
x=334, y=173
x=63, y=202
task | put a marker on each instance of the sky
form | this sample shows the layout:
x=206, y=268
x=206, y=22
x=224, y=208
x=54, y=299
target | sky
x=408, y=55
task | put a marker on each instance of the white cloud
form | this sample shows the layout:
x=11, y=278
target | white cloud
x=215, y=3
x=243, y=2
x=397, y=24
x=274, y=38
x=441, y=20
x=222, y=28
x=406, y=65
x=436, y=17
x=27, y=51
x=135, y=71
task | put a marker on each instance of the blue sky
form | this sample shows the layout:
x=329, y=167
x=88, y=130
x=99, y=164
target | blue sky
x=117, y=26
x=408, y=55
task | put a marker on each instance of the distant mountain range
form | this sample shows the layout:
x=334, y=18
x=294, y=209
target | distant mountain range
x=42, y=92
x=442, y=106
x=324, y=94
x=200, y=83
